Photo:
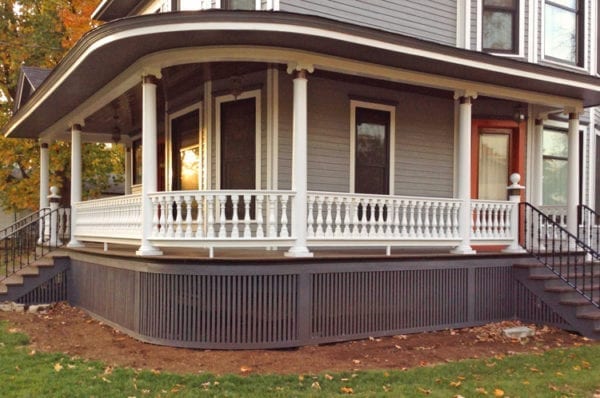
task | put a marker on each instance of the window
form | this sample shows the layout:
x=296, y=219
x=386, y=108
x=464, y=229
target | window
x=238, y=4
x=371, y=141
x=555, y=167
x=185, y=151
x=500, y=26
x=563, y=31
x=137, y=162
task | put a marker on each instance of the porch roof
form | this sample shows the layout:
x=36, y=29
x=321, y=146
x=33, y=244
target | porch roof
x=106, y=52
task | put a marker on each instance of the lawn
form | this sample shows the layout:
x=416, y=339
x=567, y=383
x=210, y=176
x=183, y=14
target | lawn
x=570, y=372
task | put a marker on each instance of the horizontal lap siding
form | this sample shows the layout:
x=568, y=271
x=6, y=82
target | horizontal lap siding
x=424, y=146
x=433, y=20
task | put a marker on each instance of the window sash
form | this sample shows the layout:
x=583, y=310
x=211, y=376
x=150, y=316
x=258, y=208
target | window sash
x=563, y=23
x=495, y=14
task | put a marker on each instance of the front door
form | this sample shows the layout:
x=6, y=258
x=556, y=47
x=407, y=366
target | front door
x=497, y=152
x=238, y=148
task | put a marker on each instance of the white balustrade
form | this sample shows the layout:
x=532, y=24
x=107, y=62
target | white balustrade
x=491, y=220
x=112, y=218
x=558, y=214
x=221, y=215
x=360, y=217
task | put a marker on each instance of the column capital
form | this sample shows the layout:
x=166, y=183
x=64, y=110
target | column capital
x=77, y=126
x=570, y=110
x=573, y=115
x=300, y=67
x=154, y=73
x=150, y=79
x=44, y=144
x=465, y=96
x=539, y=121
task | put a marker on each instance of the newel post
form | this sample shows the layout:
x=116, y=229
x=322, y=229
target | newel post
x=54, y=199
x=514, y=196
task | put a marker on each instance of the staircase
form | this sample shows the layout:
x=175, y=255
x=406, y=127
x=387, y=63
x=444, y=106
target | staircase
x=31, y=270
x=566, y=276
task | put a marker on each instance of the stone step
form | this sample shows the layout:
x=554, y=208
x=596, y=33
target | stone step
x=31, y=270
x=591, y=312
x=13, y=280
x=557, y=285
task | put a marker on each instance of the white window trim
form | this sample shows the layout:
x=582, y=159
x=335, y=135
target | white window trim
x=585, y=43
x=229, y=98
x=521, y=42
x=169, y=142
x=257, y=4
x=392, y=167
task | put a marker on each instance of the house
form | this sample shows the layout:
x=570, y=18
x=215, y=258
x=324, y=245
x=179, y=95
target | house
x=299, y=172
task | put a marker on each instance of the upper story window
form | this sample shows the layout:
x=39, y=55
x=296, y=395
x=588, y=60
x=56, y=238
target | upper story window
x=239, y=5
x=563, y=31
x=500, y=26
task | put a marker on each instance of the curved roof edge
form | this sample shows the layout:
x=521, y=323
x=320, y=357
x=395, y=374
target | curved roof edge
x=84, y=70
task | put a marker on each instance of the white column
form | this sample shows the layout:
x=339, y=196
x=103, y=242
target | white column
x=44, y=174
x=149, y=162
x=128, y=168
x=299, y=166
x=76, y=180
x=44, y=183
x=464, y=175
x=538, y=164
x=573, y=174
x=514, y=196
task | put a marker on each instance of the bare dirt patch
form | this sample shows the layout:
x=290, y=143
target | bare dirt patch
x=70, y=330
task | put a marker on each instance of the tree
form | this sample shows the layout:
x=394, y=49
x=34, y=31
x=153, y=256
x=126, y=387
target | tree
x=38, y=33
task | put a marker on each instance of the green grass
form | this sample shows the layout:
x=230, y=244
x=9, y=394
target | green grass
x=558, y=373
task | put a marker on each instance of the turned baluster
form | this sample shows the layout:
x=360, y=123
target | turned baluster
x=310, y=230
x=320, y=233
x=426, y=221
x=155, y=216
x=210, y=215
x=347, y=205
x=272, y=215
x=199, y=218
x=284, y=217
x=222, y=228
x=259, y=216
x=338, y=230
x=188, y=216
x=179, y=218
x=328, y=217
x=247, y=230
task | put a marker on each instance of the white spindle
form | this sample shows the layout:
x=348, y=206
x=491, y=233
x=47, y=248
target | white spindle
x=200, y=218
x=404, y=229
x=188, y=216
x=426, y=221
x=170, y=222
x=411, y=219
x=310, y=233
x=247, y=230
x=320, y=233
x=272, y=215
x=235, y=232
x=155, y=216
x=337, y=231
x=179, y=218
x=259, y=216
x=284, y=218
x=210, y=215
x=222, y=227
x=328, y=217
x=347, y=204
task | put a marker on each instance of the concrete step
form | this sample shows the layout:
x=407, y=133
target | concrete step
x=13, y=280
x=591, y=312
x=575, y=301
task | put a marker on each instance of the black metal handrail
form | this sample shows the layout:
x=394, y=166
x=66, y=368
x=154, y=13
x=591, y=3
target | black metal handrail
x=569, y=258
x=31, y=238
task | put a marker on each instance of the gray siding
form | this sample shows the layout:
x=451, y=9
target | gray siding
x=433, y=20
x=424, y=137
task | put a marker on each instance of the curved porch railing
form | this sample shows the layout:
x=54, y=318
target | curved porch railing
x=246, y=217
x=240, y=218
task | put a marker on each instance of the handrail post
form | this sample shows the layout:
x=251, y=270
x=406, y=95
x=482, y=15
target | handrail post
x=54, y=199
x=514, y=196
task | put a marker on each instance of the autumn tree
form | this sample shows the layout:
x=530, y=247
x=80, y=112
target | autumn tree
x=38, y=33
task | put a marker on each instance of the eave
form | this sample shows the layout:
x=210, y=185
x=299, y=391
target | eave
x=85, y=71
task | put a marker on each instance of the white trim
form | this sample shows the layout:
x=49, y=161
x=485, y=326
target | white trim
x=463, y=24
x=521, y=39
x=532, y=33
x=392, y=164
x=197, y=106
x=257, y=4
x=228, y=98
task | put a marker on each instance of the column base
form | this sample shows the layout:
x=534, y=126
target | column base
x=148, y=250
x=74, y=244
x=463, y=249
x=298, y=251
x=514, y=249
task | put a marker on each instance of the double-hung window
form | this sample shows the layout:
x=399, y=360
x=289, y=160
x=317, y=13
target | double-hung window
x=500, y=26
x=555, y=167
x=563, y=31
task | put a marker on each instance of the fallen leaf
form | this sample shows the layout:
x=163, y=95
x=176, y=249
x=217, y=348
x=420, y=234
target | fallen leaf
x=300, y=377
x=455, y=383
x=498, y=392
x=356, y=361
x=245, y=369
x=104, y=379
x=328, y=377
x=32, y=352
x=58, y=367
x=315, y=385
x=70, y=366
x=481, y=390
x=424, y=390
x=347, y=390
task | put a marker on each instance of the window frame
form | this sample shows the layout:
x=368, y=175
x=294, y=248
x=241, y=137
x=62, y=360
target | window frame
x=379, y=106
x=554, y=129
x=516, y=13
x=580, y=14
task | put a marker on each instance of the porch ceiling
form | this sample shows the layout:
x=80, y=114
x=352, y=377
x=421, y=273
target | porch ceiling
x=105, y=53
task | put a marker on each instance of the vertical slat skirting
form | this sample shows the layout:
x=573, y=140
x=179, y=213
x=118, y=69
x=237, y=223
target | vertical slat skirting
x=225, y=310
x=51, y=291
x=494, y=292
x=531, y=308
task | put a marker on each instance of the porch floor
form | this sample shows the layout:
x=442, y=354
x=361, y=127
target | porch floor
x=260, y=254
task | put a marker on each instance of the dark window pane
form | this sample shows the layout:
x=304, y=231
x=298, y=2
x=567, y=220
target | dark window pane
x=372, y=149
x=499, y=3
x=498, y=30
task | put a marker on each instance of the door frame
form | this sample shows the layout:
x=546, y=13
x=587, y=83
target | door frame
x=197, y=106
x=517, y=150
x=256, y=94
